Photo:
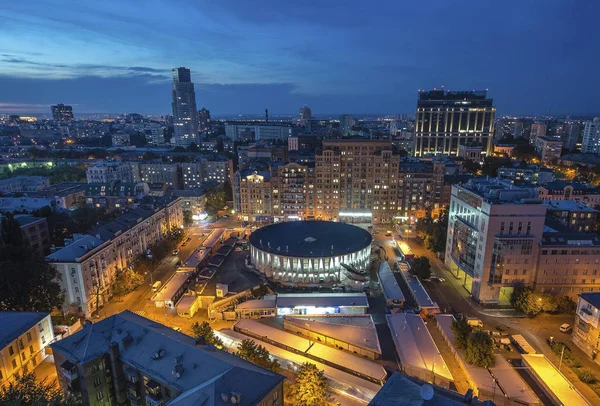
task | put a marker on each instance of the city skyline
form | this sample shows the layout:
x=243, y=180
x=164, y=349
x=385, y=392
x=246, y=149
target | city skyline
x=120, y=61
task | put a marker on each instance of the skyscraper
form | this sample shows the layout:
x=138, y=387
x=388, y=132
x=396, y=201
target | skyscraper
x=591, y=137
x=305, y=113
x=346, y=123
x=203, y=119
x=447, y=119
x=185, y=115
x=62, y=113
x=537, y=130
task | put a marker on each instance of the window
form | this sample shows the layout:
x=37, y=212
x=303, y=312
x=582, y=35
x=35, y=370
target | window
x=31, y=350
x=97, y=382
x=40, y=327
x=23, y=357
x=99, y=395
x=14, y=363
x=11, y=351
x=95, y=368
x=28, y=337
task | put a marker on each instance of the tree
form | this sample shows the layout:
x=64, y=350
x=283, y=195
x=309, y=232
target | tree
x=526, y=301
x=27, y=282
x=187, y=217
x=25, y=390
x=491, y=165
x=215, y=200
x=11, y=230
x=566, y=305
x=193, y=147
x=149, y=156
x=206, y=331
x=524, y=152
x=421, y=267
x=471, y=166
x=309, y=387
x=479, y=350
x=126, y=281
x=257, y=354
x=462, y=331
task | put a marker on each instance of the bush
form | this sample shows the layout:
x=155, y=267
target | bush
x=586, y=376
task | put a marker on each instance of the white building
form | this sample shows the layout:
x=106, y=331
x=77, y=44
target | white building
x=237, y=132
x=591, y=137
x=24, y=337
x=346, y=123
x=24, y=184
x=155, y=133
x=110, y=171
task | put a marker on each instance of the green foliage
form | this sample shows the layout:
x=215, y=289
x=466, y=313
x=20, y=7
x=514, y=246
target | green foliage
x=308, y=388
x=27, y=282
x=126, y=281
x=434, y=232
x=193, y=147
x=55, y=174
x=215, y=200
x=566, y=305
x=187, y=217
x=479, y=350
x=462, y=331
x=532, y=303
x=492, y=164
x=421, y=267
x=25, y=390
x=524, y=152
x=471, y=166
x=11, y=230
x=257, y=354
x=149, y=156
x=205, y=330
x=64, y=320
x=586, y=376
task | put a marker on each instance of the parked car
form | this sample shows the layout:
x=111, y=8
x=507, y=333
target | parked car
x=565, y=327
x=176, y=252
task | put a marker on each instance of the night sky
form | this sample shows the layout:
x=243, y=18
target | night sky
x=338, y=56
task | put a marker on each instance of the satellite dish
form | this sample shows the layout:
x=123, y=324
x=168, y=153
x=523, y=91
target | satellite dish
x=426, y=392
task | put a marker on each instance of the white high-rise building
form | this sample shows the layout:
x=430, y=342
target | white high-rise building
x=346, y=123
x=591, y=137
x=185, y=115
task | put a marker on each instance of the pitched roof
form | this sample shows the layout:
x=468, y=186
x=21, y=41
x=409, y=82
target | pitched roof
x=14, y=324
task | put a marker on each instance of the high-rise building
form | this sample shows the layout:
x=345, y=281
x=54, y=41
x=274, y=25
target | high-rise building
x=185, y=115
x=591, y=137
x=346, y=123
x=305, y=113
x=420, y=186
x=571, y=134
x=537, y=130
x=549, y=148
x=447, y=119
x=62, y=113
x=203, y=119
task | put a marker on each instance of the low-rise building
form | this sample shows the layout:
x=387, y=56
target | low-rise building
x=24, y=337
x=161, y=172
x=34, y=231
x=115, y=195
x=66, y=195
x=21, y=184
x=537, y=175
x=110, y=171
x=504, y=149
x=586, y=328
x=24, y=204
x=128, y=359
x=471, y=152
x=573, y=214
x=570, y=190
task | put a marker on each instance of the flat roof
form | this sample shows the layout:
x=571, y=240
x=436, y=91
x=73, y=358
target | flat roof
x=570, y=205
x=213, y=238
x=511, y=383
x=196, y=258
x=363, y=335
x=309, y=239
x=291, y=340
x=591, y=297
x=187, y=301
x=322, y=299
x=553, y=380
x=389, y=284
x=414, y=344
x=256, y=304
x=14, y=324
x=77, y=249
x=171, y=287
x=416, y=287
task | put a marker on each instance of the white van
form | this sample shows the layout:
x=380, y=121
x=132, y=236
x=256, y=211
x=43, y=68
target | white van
x=474, y=322
x=156, y=286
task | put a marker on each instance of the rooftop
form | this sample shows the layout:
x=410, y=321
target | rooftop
x=497, y=191
x=24, y=219
x=203, y=371
x=75, y=250
x=310, y=238
x=389, y=283
x=591, y=297
x=122, y=223
x=571, y=239
x=321, y=299
x=14, y=324
x=570, y=205
x=577, y=186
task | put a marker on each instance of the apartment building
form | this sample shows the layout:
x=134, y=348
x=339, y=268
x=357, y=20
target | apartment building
x=116, y=195
x=534, y=174
x=193, y=174
x=420, y=185
x=110, y=171
x=23, y=340
x=570, y=190
x=356, y=180
x=128, y=359
x=549, y=148
x=293, y=191
x=586, y=328
x=572, y=214
x=160, y=172
x=34, y=231
x=217, y=169
x=253, y=195
x=492, y=227
x=20, y=184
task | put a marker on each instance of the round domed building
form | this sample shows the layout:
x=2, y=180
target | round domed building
x=312, y=252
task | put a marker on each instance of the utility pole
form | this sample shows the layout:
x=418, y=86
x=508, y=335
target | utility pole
x=561, y=357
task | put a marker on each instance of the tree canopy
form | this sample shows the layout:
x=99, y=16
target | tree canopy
x=205, y=330
x=462, y=331
x=309, y=387
x=479, y=350
x=25, y=390
x=421, y=267
x=257, y=354
x=531, y=303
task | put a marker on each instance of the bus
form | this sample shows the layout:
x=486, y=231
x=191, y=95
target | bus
x=407, y=253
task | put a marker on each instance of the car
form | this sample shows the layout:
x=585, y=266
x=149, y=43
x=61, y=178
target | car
x=184, y=244
x=245, y=224
x=225, y=216
x=176, y=252
x=565, y=327
x=178, y=329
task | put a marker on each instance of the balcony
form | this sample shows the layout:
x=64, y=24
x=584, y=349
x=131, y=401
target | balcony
x=154, y=400
x=587, y=316
x=69, y=370
x=134, y=398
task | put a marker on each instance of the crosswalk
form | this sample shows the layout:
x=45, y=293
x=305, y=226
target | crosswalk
x=142, y=313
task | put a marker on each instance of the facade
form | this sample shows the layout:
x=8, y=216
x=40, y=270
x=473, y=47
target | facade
x=110, y=171
x=62, y=113
x=115, y=195
x=203, y=120
x=356, y=180
x=312, y=252
x=193, y=174
x=591, y=137
x=19, y=184
x=534, y=174
x=217, y=169
x=252, y=195
x=586, y=328
x=571, y=135
x=489, y=248
x=504, y=149
x=537, y=130
x=572, y=214
x=420, y=186
x=127, y=359
x=565, y=190
x=305, y=113
x=120, y=139
x=23, y=341
x=447, y=119
x=155, y=133
x=185, y=114
x=65, y=195
x=34, y=231
x=249, y=132
x=472, y=152
x=293, y=191
x=549, y=148
x=161, y=172
x=346, y=123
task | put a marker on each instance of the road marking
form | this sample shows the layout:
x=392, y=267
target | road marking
x=140, y=312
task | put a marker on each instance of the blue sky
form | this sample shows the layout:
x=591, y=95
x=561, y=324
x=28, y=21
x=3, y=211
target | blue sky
x=336, y=56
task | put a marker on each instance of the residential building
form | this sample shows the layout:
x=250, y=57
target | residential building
x=120, y=139
x=356, y=180
x=304, y=142
x=570, y=190
x=210, y=147
x=193, y=174
x=185, y=114
x=586, y=329
x=253, y=195
x=293, y=191
x=571, y=135
x=203, y=120
x=34, y=231
x=24, y=204
x=21, y=184
x=537, y=175
x=249, y=132
x=549, y=148
x=261, y=152
x=494, y=230
x=193, y=200
x=23, y=340
x=218, y=169
x=346, y=123
x=447, y=119
x=577, y=159
x=115, y=195
x=128, y=359
x=161, y=172
x=419, y=189
x=471, y=152
x=110, y=171
x=65, y=195
x=572, y=214
x=62, y=113
x=155, y=133
x=591, y=137
x=537, y=130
